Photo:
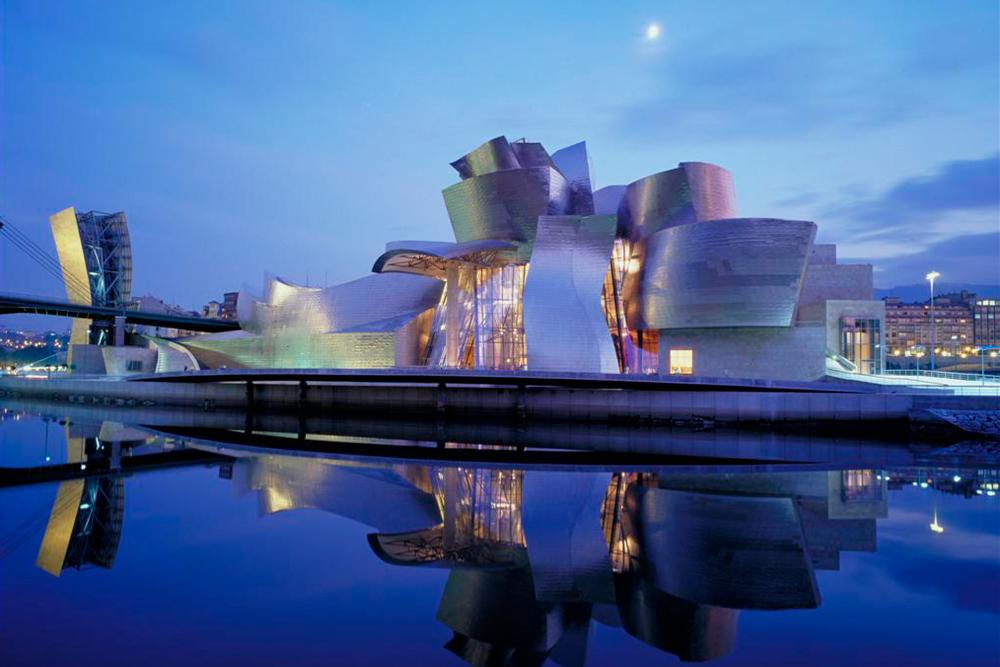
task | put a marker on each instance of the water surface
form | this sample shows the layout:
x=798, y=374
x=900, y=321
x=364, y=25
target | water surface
x=292, y=557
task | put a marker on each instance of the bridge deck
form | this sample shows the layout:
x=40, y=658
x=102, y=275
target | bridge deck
x=10, y=303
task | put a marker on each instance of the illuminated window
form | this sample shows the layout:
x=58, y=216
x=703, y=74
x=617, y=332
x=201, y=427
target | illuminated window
x=860, y=343
x=681, y=362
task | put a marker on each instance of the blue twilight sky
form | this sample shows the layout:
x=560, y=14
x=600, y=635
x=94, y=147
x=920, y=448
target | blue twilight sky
x=298, y=137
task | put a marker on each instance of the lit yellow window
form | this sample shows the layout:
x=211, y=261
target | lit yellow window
x=681, y=362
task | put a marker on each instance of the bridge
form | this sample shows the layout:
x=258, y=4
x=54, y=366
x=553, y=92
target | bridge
x=12, y=303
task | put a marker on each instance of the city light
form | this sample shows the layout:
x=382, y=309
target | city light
x=935, y=526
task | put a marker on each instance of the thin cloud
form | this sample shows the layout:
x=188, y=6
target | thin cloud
x=715, y=91
x=952, y=212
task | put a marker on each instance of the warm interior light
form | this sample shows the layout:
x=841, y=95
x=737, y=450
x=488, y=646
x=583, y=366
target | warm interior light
x=681, y=362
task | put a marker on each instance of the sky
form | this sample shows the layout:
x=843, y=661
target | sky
x=297, y=138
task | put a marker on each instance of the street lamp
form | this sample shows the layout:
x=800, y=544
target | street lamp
x=931, y=277
x=982, y=358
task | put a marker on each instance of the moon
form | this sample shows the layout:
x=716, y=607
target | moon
x=652, y=32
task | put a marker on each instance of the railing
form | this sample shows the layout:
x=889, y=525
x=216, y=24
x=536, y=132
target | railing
x=977, y=378
x=912, y=381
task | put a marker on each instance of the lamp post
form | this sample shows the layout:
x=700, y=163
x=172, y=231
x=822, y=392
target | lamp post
x=982, y=359
x=931, y=277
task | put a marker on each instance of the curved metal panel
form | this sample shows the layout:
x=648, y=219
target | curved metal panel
x=494, y=155
x=505, y=205
x=608, y=199
x=378, y=321
x=712, y=194
x=69, y=249
x=574, y=163
x=531, y=154
x=693, y=192
x=349, y=306
x=564, y=325
x=744, y=272
x=378, y=298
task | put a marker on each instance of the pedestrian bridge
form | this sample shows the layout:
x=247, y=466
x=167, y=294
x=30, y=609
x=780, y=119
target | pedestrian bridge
x=15, y=303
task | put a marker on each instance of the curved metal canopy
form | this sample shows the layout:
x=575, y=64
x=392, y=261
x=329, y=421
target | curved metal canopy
x=431, y=258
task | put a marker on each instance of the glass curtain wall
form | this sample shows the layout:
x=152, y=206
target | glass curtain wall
x=861, y=343
x=459, y=316
x=500, y=343
x=638, y=351
x=487, y=320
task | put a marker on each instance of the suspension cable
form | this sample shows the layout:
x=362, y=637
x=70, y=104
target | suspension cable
x=43, y=259
x=37, y=253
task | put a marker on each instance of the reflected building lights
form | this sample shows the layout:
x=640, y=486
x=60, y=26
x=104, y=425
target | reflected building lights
x=536, y=556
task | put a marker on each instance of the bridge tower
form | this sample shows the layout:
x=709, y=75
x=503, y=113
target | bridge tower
x=95, y=256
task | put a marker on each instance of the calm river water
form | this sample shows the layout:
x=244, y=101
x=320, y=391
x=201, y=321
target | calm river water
x=206, y=550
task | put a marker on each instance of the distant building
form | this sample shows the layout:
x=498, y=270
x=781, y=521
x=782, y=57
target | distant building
x=228, y=309
x=222, y=310
x=212, y=310
x=908, y=325
x=153, y=304
x=986, y=323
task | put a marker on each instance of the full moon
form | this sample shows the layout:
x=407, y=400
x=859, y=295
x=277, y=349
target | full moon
x=652, y=31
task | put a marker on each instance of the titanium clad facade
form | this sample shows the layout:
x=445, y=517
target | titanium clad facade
x=494, y=155
x=608, y=199
x=564, y=323
x=574, y=163
x=378, y=321
x=369, y=303
x=399, y=347
x=505, y=205
x=712, y=194
x=531, y=154
x=726, y=273
x=693, y=192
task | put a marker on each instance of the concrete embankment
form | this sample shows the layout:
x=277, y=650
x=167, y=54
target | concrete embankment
x=532, y=400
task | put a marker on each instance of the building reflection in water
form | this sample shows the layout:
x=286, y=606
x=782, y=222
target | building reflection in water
x=85, y=524
x=536, y=555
